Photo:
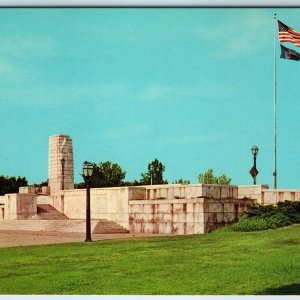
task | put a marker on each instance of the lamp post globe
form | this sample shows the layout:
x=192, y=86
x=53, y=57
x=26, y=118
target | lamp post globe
x=88, y=169
x=254, y=150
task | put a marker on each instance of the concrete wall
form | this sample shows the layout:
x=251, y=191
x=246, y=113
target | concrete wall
x=252, y=191
x=2, y=208
x=275, y=196
x=158, y=208
x=165, y=209
x=225, y=211
x=28, y=190
x=183, y=209
x=19, y=206
x=45, y=190
x=182, y=191
x=184, y=216
x=264, y=196
x=177, y=216
x=42, y=199
x=108, y=203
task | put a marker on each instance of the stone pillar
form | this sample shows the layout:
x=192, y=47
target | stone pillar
x=60, y=147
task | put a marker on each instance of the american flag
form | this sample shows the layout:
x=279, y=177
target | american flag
x=288, y=34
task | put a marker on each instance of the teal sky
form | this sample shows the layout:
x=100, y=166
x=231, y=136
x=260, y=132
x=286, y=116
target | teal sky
x=191, y=87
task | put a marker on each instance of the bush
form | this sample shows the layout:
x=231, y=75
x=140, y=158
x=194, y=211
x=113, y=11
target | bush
x=291, y=210
x=269, y=217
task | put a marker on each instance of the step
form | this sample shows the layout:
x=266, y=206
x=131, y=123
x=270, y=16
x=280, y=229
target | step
x=65, y=225
x=107, y=226
x=48, y=212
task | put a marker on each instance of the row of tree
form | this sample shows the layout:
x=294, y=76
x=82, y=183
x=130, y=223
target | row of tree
x=11, y=184
x=108, y=174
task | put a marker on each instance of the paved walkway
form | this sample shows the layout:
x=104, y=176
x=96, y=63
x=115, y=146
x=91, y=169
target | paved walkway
x=11, y=238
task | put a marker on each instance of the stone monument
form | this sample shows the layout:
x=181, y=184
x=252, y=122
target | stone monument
x=61, y=172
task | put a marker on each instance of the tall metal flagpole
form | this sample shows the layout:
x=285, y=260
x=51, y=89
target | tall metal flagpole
x=275, y=120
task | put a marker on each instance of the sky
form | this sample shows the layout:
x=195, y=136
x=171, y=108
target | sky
x=192, y=87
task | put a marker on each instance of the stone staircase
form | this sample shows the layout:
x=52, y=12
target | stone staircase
x=105, y=226
x=48, y=212
x=51, y=220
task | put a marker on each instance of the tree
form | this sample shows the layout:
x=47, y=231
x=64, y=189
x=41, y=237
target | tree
x=181, y=181
x=154, y=174
x=11, y=184
x=223, y=179
x=131, y=183
x=80, y=185
x=107, y=174
x=43, y=183
x=209, y=178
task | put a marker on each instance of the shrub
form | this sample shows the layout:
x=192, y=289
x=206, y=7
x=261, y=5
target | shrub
x=269, y=217
x=290, y=209
x=250, y=224
x=257, y=223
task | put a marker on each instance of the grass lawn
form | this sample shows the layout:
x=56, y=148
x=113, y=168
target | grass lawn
x=220, y=263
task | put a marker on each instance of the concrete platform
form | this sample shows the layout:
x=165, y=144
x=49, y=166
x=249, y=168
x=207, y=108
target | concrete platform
x=14, y=238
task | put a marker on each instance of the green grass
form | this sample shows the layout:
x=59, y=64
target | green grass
x=220, y=263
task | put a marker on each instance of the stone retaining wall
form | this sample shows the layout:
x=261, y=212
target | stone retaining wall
x=264, y=196
x=184, y=216
x=182, y=191
x=108, y=203
x=165, y=209
x=19, y=206
x=275, y=196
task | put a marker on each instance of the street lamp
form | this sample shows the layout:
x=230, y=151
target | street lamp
x=63, y=173
x=254, y=171
x=87, y=176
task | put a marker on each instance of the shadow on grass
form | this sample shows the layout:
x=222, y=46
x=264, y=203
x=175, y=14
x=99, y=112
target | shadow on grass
x=292, y=289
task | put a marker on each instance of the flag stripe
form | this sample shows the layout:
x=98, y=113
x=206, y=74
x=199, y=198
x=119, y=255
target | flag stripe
x=288, y=34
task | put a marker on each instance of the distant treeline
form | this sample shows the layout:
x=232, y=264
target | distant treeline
x=11, y=184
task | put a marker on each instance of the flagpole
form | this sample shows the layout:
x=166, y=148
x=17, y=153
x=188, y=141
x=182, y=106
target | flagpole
x=275, y=120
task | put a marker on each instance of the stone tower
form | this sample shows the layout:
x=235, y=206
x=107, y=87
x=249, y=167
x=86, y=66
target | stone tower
x=61, y=171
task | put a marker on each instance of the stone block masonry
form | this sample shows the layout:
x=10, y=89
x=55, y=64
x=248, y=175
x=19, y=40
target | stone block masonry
x=264, y=196
x=60, y=147
x=18, y=206
x=106, y=203
x=158, y=209
x=196, y=215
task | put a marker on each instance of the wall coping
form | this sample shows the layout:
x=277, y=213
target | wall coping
x=151, y=187
x=256, y=185
x=281, y=190
x=191, y=200
x=91, y=189
x=183, y=185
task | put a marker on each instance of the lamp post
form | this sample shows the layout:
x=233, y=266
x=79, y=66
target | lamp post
x=87, y=176
x=62, y=173
x=254, y=171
